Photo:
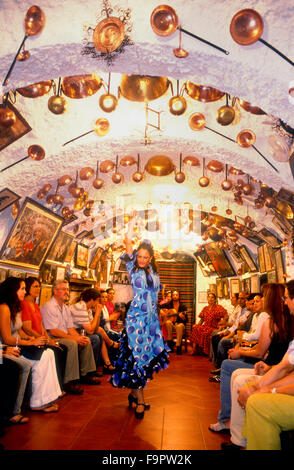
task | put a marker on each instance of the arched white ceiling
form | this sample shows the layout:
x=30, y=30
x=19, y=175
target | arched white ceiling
x=254, y=73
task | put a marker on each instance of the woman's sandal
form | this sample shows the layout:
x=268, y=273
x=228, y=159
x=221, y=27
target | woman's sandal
x=18, y=419
x=52, y=408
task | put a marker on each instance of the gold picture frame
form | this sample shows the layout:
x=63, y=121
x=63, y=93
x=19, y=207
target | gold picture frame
x=31, y=236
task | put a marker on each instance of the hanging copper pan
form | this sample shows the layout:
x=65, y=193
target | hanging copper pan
x=192, y=161
x=81, y=86
x=246, y=27
x=164, y=20
x=159, y=165
x=205, y=94
x=143, y=87
x=250, y=109
x=128, y=160
x=235, y=171
x=215, y=166
x=109, y=34
x=107, y=166
x=36, y=89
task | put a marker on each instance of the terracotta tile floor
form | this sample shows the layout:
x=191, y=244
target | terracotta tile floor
x=183, y=404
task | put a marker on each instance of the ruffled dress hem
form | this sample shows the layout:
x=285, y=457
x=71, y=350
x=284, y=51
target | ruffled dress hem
x=128, y=374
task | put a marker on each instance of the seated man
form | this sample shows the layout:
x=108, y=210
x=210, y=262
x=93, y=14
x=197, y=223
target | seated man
x=225, y=340
x=176, y=320
x=84, y=321
x=82, y=315
x=57, y=320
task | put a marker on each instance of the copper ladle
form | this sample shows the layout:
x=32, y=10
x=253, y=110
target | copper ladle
x=246, y=28
x=34, y=24
x=164, y=22
x=36, y=152
x=179, y=51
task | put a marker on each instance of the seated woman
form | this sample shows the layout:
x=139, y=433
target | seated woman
x=106, y=318
x=82, y=315
x=10, y=378
x=45, y=387
x=272, y=345
x=33, y=326
x=210, y=316
x=113, y=313
x=176, y=319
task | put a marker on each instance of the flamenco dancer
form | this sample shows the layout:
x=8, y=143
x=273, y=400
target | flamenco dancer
x=143, y=350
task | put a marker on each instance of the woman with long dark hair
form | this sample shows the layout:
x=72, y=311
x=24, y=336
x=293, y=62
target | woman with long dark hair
x=143, y=350
x=45, y=387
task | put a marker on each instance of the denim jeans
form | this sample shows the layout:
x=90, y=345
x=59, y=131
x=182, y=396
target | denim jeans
x=96, y=341
x=227, y=368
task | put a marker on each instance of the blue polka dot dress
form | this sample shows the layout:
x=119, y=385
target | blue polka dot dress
x=143, y=350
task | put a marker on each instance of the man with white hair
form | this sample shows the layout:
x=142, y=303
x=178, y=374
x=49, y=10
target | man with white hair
x=57, y=319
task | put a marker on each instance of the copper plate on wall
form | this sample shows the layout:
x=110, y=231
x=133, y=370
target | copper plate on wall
x=109, y=34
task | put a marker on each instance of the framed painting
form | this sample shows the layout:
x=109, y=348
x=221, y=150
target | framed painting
x=219, y=260
x=246, y=285
x=7, y=197
x=96, y=257
x=60, y=273
x=8, y=135
x=236, y=254
x=219, y=288
x=261, y=261
x=81, y=258
x=272, y=276
x=234, y=286
x=269, y=238
x=254, y=284
x=282, y=224
x=71, y=251
x=60, y=247
x=279, y=266
x=267, y=258
x=47, y=273
x=45, y=294
x=248, y=259
x=204, y=262
x=31, y=236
